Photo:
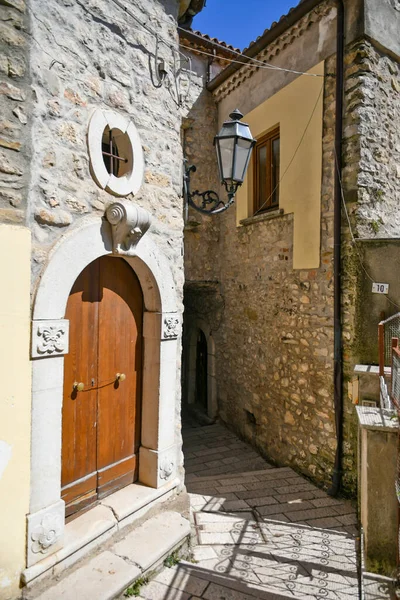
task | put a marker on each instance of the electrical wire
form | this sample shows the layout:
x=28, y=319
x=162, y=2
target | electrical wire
x=293, y=157
x=261, y=65
x=255, y=61
x=353, y=239
x=250, y=61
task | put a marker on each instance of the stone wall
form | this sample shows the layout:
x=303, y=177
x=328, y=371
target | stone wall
x=200, y=125
x=273, y=329
x=273, y=326
x=90, y=55
x=15, y=107
x=371, y=146
x=278, y=389
x=372, y=149
x=93, y=55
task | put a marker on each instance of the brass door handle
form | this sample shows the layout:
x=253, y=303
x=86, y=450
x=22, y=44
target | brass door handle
x=78, y=386
x=120, y=376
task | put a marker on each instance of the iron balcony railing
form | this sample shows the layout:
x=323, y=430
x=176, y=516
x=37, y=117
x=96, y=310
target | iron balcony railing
x=387, y=329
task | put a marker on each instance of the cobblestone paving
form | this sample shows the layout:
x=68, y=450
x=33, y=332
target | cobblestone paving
x=259, y=532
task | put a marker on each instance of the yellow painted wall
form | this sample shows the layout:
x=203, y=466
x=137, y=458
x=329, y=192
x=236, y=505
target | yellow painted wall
x=300, y=191
x=15, y=403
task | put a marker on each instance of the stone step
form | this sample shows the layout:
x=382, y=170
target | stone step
x=109, y=573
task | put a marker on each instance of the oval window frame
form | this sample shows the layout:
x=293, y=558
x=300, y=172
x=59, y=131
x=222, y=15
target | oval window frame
x=126, y=184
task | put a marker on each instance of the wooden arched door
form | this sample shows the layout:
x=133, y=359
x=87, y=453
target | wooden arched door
x=101, y=422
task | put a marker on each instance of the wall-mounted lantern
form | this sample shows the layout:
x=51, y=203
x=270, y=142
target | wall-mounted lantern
x=233, y=144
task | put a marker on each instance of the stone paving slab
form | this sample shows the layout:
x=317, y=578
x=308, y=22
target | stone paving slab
x=263, y=533
x=275, y=493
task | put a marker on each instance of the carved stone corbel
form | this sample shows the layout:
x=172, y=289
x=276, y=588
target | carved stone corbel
x=129, y=223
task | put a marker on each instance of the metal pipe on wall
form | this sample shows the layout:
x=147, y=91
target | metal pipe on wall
x=337, y=310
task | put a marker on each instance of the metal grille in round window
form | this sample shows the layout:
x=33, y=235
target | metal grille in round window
x=115, y=151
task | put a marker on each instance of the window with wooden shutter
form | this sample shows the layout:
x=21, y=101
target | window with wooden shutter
x=266, y=172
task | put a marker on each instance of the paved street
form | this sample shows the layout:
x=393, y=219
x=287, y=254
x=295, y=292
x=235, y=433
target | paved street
x=258, y=531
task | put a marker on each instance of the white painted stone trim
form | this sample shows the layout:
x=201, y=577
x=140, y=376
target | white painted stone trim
x=171, y=326
x=129, y=183
x=79, y=247
x=97, y=125
x=50, y=338
x=95, y=526
x=45, y=532
x=129, y=223
x=82, y=245
x=158, y=468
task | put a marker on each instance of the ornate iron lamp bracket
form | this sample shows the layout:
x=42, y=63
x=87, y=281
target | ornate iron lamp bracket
x=208, y=202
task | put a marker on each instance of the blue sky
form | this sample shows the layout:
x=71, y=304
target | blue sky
x=238, y=23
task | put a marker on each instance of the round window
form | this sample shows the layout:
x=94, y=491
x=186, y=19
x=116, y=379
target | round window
x=117, y=152
x=116, y=155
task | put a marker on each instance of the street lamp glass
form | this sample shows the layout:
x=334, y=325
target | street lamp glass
x=234, y=145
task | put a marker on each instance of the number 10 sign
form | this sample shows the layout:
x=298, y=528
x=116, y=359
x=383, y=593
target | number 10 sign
x=380, y=288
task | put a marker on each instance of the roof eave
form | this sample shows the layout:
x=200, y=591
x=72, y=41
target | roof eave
x=194, y=39
x=269, y=36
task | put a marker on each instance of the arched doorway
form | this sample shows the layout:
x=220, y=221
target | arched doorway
x=199, y=371
x=201, y=385
x=102, y=383
x=159, y=457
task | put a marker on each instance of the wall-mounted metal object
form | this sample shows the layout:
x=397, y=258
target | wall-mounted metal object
x=233, y=144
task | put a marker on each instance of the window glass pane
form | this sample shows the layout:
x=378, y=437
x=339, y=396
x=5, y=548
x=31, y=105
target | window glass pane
x=275, y=160
x=262, y=175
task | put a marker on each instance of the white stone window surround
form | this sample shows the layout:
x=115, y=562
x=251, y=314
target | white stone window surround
x=161, y=328
x=119, y=186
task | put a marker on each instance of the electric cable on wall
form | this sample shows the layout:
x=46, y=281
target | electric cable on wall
x=293, y=157
x=353, y=239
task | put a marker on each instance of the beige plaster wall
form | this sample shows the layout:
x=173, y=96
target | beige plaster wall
x=15, y=403
x=293, y=108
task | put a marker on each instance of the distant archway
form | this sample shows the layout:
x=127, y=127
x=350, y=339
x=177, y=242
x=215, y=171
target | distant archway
x=201, y=384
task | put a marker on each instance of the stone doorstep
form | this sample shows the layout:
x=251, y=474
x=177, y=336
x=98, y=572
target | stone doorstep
x=97, y=525
x=111, y=572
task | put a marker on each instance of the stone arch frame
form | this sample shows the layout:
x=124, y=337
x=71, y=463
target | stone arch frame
x=212, y=402
x=161, y=327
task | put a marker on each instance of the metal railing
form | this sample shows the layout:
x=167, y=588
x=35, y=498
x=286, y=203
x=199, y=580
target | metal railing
x=387, y=329
x=395, y=398
x=384, y=396
x=395, y=376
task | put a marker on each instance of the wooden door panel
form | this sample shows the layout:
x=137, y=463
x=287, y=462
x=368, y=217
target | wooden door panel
x=120, y=351
x=116, y=476
x=79, y=412
x=80, y=494
x=101, y=424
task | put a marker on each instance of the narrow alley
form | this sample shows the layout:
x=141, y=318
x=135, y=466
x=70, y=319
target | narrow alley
x=260, y=532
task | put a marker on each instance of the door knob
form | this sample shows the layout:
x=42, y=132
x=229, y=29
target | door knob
x=121, y=376
x=78, y=386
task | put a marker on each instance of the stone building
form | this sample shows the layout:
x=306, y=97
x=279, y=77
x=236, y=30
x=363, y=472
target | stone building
x=91, y=233
x=260, y=279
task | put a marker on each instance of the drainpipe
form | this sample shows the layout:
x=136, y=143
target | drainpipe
x=338, y=369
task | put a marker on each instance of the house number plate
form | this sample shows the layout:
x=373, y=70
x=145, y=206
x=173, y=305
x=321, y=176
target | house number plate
x=380, y=288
